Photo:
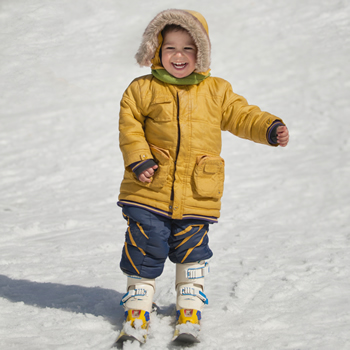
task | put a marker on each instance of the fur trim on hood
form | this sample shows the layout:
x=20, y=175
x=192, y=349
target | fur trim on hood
x=192, y=21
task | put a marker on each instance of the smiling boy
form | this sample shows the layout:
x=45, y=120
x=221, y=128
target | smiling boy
x=179, y=52
x=170, y=136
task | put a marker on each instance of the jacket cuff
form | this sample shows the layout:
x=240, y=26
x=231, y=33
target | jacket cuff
x=272, y=132
x=139, y=167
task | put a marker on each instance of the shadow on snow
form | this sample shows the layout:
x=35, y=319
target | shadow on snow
x=86, y=300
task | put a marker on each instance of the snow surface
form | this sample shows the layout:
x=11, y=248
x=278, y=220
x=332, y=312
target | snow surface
x=281, y=267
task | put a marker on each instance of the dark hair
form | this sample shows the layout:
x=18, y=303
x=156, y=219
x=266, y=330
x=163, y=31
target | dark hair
x=172, y=28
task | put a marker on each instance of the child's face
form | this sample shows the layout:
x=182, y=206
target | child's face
x=179, y=53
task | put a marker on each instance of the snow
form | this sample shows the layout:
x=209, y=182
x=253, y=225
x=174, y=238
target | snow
x=280, y=275
x=188, y=328
x=136, y=330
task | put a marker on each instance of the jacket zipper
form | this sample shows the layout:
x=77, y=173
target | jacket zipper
x=178, y=142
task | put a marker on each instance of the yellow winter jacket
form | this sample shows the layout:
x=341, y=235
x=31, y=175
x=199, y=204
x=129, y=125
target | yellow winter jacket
x=179, y=126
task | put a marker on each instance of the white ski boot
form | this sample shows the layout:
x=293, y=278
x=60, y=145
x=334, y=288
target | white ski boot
x=137, y=304
x=190, y=300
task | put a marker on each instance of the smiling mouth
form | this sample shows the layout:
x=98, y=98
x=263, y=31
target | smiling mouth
x=179, y=65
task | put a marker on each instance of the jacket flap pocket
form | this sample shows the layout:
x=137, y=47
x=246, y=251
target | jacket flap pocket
x=209, y=177
x=160, y=99
x=159, y=152
x=211, y=167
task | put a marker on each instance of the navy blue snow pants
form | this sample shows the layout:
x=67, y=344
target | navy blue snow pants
x=151, y=238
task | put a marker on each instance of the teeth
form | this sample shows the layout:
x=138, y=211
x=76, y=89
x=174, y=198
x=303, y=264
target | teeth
x=179, y=65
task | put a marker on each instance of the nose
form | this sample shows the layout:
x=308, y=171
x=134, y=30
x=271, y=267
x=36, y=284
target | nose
x=179, y=53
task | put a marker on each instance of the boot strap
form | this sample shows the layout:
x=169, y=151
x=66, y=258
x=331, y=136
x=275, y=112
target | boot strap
x=137, y=292
x=197, y=272
x=195, y=292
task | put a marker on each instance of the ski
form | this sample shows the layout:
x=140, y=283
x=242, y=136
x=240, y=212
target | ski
x=186, y=333
x=187, y=326
x=131, y=333
x=134, y=333
x=125, y=336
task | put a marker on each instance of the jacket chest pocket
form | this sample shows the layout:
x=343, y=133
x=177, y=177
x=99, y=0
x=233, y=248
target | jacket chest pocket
x=161, y=109
x=209, y=176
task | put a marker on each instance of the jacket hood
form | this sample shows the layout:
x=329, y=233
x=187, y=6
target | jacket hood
x=193, y=22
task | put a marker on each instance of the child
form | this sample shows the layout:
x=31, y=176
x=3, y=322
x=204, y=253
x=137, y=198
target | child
x=170, y=137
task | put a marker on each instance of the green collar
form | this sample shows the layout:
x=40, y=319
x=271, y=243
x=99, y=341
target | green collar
x=192, y=79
